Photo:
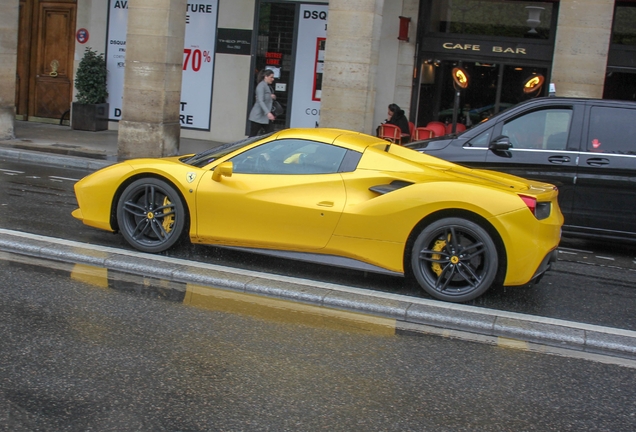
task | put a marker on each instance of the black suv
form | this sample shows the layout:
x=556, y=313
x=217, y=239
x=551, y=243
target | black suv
x=586, y=147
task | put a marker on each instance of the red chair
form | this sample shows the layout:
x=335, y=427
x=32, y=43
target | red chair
x=458, y=128
x=438, y=128
x=437, y=123
x=422, y=133
x=390, y=133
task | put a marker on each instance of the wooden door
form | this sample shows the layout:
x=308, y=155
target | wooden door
x=45, y=83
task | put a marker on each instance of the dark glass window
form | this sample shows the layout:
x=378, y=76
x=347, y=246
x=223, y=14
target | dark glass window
x=545, y=129
x=290, y=156
x=506, y=18
x=620, y=85
x=612, y=130
x=481, y=140
x=479, y=101
x=274, y=47
x=624, y=32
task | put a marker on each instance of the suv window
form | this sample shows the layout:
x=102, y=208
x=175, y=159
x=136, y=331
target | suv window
x=481, y=140
x=612, y=130
x=544, y=129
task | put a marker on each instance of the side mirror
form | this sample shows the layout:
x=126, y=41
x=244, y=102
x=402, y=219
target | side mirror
x=223, y=169
x=501, y=143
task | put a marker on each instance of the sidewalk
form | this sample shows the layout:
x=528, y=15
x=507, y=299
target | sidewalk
x=53, y=139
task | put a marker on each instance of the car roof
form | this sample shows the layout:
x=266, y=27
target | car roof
x=562, y=99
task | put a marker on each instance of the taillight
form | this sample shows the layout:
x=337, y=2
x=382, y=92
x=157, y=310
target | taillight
x=540, y=210
x=531, y=202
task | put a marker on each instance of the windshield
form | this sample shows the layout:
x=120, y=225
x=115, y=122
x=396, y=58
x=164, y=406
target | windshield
x=200, y=160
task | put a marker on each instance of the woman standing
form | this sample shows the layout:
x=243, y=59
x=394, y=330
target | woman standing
x=261, y=114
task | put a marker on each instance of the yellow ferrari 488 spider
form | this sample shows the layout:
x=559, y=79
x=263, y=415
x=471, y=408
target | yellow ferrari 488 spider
x=340, y=198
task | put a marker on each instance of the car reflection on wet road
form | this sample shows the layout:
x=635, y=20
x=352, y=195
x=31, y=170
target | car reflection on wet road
x=87, y=349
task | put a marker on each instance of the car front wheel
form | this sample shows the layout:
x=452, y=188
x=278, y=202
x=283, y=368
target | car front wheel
x=150, y=215
x=454, y=259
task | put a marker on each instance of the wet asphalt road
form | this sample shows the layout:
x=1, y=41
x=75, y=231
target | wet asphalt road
x=593, y=283
x=77, y=354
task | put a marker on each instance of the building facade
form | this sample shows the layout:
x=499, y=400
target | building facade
x=180, y=68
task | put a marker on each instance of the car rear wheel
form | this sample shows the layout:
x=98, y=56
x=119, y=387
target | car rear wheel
x=454, y=259
x=151, y=215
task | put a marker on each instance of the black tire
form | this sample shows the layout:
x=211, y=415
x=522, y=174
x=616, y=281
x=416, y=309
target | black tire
x=454, y=259
x=151, y=215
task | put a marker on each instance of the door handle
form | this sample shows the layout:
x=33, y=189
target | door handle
x=326, y=204
x=558, y=159
x=54, y=66
x=597, y=161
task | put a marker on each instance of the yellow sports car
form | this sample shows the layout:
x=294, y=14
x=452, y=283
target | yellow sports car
x=336, y=197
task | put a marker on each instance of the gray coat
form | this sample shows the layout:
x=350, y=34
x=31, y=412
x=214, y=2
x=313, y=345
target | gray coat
x=263, y=104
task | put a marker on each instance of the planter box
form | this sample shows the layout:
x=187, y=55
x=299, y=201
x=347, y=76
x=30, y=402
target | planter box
x=89, y=117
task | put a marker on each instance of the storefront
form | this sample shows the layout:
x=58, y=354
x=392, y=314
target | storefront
x=289, y=37
x=620, y=79
x=508, y=49
x=290, y=41
x=505, y=49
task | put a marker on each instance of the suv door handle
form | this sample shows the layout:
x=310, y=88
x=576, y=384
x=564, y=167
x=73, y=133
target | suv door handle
x=597, y=161
x=558, y=159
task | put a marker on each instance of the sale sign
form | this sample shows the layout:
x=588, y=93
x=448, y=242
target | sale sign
x=198, y=61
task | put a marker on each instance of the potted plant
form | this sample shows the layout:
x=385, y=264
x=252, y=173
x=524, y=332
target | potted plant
x=90, y=112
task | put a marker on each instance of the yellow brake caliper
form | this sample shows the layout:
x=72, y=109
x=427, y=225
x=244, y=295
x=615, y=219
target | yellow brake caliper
x=439, y=245
x=168, y=221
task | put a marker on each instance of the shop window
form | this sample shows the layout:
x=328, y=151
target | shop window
x=504, y=18
x=478, y=102
x=274, y=49
x=624, y=31
x=620, y=85
x=620, y=80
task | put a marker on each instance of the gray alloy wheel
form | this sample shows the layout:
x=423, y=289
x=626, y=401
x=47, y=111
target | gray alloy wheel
x=151, y=215
x=454, y=259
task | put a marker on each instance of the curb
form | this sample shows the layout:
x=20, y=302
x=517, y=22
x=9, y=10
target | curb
x=411, y=314
x=44, y=157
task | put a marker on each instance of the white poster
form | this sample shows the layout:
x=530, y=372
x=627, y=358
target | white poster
x=310, y=50
x=198, y=61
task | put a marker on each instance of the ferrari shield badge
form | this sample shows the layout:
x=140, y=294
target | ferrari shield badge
x=190, y=177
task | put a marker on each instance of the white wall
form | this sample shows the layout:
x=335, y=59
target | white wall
x=387, y=62
x=231, y=79
x=92, y=15
x=396, y=59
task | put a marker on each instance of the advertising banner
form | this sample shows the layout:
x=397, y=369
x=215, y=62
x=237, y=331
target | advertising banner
x=198, y=61
x=310, y=50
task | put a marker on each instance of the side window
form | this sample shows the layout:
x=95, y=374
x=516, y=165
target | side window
x=481, y=140
x=290, y=156
x=546, y=129
x=612, y=130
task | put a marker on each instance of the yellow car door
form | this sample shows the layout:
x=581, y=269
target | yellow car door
x=291, y=199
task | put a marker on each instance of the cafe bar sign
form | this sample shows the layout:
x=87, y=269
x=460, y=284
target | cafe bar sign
x=494, y=48
x=531, y=50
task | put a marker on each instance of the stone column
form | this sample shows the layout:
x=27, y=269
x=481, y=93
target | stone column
x=581, y=47
x=9, y=15
x=152, y=85
x=351, y=59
